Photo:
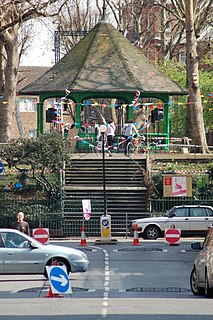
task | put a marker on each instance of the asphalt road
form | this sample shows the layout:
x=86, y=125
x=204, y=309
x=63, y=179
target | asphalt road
x=150, y=281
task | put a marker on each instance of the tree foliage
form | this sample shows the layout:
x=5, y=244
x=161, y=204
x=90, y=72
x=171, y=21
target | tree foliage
x=38, y=156
x=12, y=15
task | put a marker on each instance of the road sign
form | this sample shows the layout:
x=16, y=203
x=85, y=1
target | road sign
x=172, y=235
x=59, y=279
x=42, y=235
x=1, y=167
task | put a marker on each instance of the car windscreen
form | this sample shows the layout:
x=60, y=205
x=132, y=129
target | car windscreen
x=169, y=213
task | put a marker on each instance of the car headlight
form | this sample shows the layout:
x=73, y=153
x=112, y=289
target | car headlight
x=83, y=255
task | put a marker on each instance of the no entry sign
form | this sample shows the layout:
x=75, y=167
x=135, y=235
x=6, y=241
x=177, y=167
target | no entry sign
x=172, y=235
x=41, y=235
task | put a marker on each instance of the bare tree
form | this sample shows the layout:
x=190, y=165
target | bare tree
x=196, y=17
x=12, y=15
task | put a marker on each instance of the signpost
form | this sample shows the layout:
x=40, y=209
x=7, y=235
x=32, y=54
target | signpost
x=59, y=279
x=172, y=235
x=42, y=235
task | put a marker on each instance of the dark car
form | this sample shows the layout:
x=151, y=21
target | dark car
x=201, y=279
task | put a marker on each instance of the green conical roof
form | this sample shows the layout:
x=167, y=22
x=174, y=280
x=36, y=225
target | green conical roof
x=104, y=61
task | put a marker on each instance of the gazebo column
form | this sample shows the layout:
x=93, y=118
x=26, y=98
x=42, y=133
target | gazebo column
x=78, y=109
x=167, y=119
x=40, y=118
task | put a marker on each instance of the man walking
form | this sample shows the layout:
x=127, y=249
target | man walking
x=21, y=225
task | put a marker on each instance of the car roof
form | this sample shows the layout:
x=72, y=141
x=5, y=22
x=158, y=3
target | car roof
x=193, y=206
x=9, y=229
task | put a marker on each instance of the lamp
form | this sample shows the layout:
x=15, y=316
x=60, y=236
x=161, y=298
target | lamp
x=103, y=129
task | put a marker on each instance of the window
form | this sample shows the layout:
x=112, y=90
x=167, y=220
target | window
x=181, y=212
x=32, y=133
x=209, y=212
x=28, y=104
x=14, y=240
x=198, y=212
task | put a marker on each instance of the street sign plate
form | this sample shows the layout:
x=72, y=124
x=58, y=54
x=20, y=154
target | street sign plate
x=172, y=235
x=59, y=279
x=41, y=235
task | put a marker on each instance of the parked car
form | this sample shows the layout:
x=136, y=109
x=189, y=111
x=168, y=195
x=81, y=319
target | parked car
x=201, y=279
x=190, y=219
x=21, y=254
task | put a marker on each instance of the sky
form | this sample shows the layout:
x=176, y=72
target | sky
x=41, y=50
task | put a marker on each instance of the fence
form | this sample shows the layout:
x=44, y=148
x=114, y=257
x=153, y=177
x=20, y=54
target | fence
x=164, y=204
x=39, y=213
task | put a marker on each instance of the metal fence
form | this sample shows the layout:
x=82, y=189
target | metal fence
x=40, y=213
x=164, y=204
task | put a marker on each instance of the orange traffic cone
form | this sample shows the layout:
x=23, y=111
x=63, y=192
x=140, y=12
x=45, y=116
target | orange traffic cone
x=83, y=238
x=136, y=240
x=50, y=294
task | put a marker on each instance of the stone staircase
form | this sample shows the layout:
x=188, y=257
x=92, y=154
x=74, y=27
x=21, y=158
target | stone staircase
x=125, y=189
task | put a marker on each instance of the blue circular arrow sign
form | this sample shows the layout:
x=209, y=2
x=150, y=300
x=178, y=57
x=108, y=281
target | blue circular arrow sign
x=105, y=223
x=59, y=279
x=1, y=167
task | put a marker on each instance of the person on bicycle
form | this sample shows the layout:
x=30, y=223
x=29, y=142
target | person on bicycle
x=129, y=130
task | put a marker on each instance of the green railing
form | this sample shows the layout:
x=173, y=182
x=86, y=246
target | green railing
x=33, y=210
x=48, y=214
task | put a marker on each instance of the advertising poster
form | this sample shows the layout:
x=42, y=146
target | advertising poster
x=86, y=204
x=179, y=186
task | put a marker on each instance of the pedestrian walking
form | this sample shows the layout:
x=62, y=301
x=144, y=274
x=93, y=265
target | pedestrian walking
x=110, y=133
x=21, y=225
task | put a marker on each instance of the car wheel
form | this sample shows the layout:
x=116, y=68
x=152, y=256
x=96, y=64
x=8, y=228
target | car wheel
x=58, y=262
x=152, y=232
x=208, y=290
x=196, y=290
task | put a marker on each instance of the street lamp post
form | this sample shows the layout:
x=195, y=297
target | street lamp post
x=105, y=220
x=103, y=129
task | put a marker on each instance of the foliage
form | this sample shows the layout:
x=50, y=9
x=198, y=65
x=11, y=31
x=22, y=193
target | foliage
x=178, y=108
x=37, y=157
x=36, y=211
x=202, y=184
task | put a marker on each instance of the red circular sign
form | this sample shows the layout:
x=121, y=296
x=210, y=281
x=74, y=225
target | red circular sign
x=172, y=235
x=41, y=235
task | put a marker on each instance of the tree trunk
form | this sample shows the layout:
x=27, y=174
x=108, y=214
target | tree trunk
x=195, y=108
x=8, y=76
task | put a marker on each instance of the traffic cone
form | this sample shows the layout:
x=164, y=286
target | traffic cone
x=83, y=238
x=50, y=294
x=135, y=239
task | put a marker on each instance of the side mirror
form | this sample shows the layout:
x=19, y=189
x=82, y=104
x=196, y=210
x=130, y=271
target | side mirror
x=172, y=215
x=196, y=246
x=33, y=245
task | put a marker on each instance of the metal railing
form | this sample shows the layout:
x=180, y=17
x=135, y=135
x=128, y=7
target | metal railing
x=59, y=226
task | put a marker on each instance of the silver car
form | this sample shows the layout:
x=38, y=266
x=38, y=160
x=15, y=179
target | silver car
x=201, y=279
x=190, y=219
x=21, y=254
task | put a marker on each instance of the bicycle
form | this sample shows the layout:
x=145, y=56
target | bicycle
x=136, y=145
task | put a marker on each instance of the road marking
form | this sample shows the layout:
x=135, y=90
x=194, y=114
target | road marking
x=105, y=302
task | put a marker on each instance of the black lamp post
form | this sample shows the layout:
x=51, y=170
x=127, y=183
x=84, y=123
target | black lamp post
x=103, y=129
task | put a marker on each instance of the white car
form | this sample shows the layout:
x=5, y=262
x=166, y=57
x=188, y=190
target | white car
x=190, y=219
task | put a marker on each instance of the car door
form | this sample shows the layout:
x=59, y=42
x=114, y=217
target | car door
x=1, y=255
x=180, y=219
x=19, y=259
x=199, y=219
